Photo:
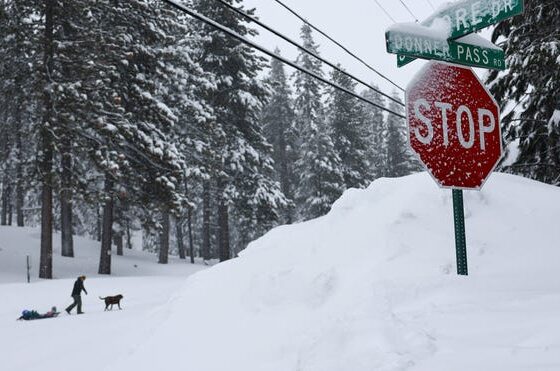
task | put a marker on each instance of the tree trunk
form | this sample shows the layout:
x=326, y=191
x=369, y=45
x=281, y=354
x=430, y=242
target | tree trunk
x=223, y=225
x=5, y=200
x=189, y=224
x=20, y=194
x=5, y=175
x=128, y=235
x=99, y=223
x=191, y=242
x=118, y=229
x=206, y=221
x=45, y=265
x=6, y=195
x=106, y=235
x=179, y=236
x=66, y=239
x=164, y=239
x=119, y=243
x=10, y=209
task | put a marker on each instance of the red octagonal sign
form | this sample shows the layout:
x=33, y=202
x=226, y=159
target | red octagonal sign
x=454, y=125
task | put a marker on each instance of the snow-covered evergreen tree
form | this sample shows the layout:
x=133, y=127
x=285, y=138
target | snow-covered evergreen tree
x=243, y=170
x=318, y=166
x=278, y=120
x=349, y=132
x=374, y=120
x=400, y=159
x=20, y=28
x=532, y=86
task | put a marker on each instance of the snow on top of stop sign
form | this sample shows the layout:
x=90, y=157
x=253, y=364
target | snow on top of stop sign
x=429, y=74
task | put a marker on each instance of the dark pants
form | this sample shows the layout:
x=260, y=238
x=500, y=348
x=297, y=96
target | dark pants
x=78, y=302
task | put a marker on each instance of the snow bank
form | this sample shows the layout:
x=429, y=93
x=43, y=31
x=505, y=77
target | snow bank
x=372, y=286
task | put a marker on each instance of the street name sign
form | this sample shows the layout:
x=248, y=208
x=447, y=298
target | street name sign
x=414, y=44
x=453, y=125
x=468, y=16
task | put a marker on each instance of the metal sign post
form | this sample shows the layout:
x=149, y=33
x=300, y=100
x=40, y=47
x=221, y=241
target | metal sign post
x=460, y=238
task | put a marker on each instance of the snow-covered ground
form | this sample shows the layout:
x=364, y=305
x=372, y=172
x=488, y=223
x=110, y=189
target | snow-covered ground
x=370, y=286
x=91, y=341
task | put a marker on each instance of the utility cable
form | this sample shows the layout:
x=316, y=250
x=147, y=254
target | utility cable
x=385, y=11
x=338, y=44
x=310, y=52
x=262, y=49
x=431, y=4
x=409, y=11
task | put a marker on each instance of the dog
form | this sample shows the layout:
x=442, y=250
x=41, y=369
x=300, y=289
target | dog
x=112, y=300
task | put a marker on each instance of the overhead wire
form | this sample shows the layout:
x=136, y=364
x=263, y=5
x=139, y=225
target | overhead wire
x=385, y=11
x=301, y=18
x=431, y=4
x=264, y=50
x=409, y=11
x=304, y=49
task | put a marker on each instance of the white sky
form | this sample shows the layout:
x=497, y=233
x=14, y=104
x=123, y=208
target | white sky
x=357, y=24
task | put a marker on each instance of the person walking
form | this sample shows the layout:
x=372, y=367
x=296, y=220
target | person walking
x=76, y=295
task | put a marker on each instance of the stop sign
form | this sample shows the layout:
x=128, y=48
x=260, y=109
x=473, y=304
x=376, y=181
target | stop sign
x=454, y=125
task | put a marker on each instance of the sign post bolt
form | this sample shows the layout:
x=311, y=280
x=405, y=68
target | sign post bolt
x=460, y=239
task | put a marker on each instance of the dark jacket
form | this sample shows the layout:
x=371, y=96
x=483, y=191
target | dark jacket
x=78, y=287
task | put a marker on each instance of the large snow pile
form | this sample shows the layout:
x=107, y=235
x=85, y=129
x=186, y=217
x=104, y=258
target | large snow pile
x=372, y=286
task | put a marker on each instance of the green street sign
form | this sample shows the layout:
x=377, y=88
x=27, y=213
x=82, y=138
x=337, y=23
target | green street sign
x=403, y=60
x=470, y=50
x=468, y=16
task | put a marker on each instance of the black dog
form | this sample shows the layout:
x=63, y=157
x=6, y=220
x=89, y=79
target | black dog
x=112, y=300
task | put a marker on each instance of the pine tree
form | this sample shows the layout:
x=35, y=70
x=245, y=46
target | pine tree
x=532, y=86
x=349, y=133
x=278, y=119
x=373, y=118
x=48, y=128
x=242, y=169
x=400, y=160
x=21, y=59
x=319, y=167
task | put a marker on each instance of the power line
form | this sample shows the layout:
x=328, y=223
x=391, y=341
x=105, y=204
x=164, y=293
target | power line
x=385, y=11
x=408, y=9
x=431, y=4
x=262, y=49
x=338, y=44
x=310, y=52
